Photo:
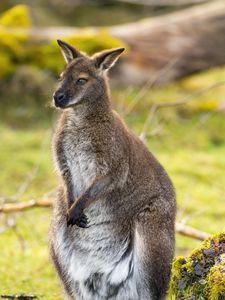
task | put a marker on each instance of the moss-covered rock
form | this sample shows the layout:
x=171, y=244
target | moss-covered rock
x=201, y=276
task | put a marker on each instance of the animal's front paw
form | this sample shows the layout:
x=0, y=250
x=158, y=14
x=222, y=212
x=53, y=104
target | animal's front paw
x=78, y=218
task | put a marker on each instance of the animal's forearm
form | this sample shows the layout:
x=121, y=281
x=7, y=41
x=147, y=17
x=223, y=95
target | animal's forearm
x=69, y=195
x=99, y=188
x=64, y=170
x=67, y=180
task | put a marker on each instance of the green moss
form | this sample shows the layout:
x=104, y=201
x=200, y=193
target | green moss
x=7, y=66
x=208, y=101
x=19, y=48
x=91, y=42
x=48, y=55
x=202, y=274
x=12, y=51
x=216, y=282
x=18, y=16
x=13, y=44
x=210, y=104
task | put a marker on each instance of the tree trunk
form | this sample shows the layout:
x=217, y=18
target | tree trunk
x=158, y=3
x=179, y=43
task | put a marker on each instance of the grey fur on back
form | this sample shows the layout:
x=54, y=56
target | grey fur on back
x=126, y=249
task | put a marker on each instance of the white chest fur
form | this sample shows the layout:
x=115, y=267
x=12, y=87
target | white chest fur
x=83, y=168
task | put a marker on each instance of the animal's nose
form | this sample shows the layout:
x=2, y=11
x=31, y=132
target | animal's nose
x=59, y=97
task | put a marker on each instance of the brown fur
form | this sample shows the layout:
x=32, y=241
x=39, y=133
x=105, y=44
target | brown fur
x=121, y=190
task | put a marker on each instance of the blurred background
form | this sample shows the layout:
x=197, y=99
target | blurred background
x=169, y=86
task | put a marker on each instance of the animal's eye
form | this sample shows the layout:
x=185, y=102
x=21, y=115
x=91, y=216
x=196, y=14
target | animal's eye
x=81, y=81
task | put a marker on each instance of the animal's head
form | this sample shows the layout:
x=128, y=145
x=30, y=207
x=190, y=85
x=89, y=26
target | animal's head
x=83, y=80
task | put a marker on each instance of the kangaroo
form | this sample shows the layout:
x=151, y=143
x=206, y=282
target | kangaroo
x=112, y=231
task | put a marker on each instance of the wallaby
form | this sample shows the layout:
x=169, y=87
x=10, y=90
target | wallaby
x=112, y=232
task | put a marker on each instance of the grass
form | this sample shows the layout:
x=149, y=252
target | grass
x=190, y=143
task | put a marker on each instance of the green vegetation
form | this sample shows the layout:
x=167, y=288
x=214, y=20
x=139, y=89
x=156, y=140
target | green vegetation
x=49, y=57
x=18, y=48
x=18, y=16
x=12, y=44
x=201, y=275
x=32, y=66
x=86, y=13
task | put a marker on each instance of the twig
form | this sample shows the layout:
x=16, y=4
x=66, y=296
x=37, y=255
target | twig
x=189, y=98
x=156, y=106
x=20, y=237
x=31, y=175
x=149, y=84
x=191, y=232
x=148, y=121
x=8, y=226
x=11, y=224
x=21, y=206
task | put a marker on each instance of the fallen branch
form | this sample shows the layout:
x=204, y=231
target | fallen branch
x=159, y=3
x=19, y=297
x=191, y=232
x=26, y=205
x=21, y=206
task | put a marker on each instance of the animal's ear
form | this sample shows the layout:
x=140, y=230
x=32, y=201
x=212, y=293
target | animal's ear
x=106, y=59
x=68, y=51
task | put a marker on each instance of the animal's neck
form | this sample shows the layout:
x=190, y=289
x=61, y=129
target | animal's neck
x=97, y=110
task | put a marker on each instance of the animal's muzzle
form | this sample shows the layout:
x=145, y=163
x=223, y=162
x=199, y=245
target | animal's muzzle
x=60, y=99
